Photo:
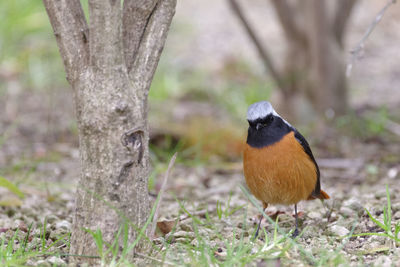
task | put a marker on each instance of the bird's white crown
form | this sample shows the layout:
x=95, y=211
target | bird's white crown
x=260, y=110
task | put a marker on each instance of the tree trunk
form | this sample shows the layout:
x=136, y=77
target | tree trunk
x=314, y=59
x=110, y=67
x=327, y=89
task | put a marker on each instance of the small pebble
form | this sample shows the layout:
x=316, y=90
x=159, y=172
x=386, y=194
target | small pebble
x=43, y=263
x=383, y=261
x=314, y=215
x=65, y=225
x=186, y=227
x=378, y=239
x=56, y=261
x=354, y=204
x=180, y=234
x=346, y=211
x=373, y=245
x=52, y=218
x=396, y=216
x=339, y=230
x=380, y=194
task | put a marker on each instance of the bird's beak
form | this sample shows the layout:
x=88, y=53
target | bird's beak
x=258, y=126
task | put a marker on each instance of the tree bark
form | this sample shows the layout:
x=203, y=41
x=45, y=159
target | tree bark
x=110, y=65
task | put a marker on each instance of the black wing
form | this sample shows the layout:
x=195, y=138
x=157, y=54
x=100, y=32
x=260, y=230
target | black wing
x=307, y=149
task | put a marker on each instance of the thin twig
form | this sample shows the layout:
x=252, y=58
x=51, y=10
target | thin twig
x=355, y=52
x=160, y=194
x=197, y=213
x=269, y=65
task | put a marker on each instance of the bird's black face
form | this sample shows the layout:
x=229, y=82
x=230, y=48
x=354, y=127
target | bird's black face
x=261, y=123
x=266, y=131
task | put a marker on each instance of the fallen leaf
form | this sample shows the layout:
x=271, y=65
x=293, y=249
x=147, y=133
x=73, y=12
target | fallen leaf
x=165, y=226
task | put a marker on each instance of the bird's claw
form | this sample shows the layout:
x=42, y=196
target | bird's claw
x=295, y=233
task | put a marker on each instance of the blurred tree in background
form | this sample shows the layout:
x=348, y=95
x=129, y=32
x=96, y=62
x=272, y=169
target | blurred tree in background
x=314, y=60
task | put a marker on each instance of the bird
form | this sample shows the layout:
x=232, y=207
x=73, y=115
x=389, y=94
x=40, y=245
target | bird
x=278, y=164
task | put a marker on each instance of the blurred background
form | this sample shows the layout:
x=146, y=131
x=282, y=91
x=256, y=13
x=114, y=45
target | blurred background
x=220, y=57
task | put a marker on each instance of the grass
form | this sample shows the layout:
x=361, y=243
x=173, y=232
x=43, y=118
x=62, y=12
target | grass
x=227, y=210
x=212, y=241
x=111, y=254
x=390, y=228
x=236, y=249
x=212, y=245
x=233, y=249
x=17, y=250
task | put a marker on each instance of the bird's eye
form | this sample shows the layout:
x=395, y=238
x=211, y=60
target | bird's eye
x=259, y=126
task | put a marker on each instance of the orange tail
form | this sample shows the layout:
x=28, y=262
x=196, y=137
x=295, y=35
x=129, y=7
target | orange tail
x=322, y=195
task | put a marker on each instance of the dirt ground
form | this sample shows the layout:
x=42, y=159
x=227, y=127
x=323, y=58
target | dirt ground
x=39, y=149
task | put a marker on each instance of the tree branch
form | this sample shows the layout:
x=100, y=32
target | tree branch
x=341, y=17
x=152, y=43
x=72, y=34
x=135, y=17
x=288, y=20
x=105, y=33
x=267, y=60
x=355, y=52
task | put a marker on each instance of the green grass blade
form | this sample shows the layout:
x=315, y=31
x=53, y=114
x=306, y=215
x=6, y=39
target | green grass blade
x=195, y=219
x=308, y=255
x=388, y=222
x=381, y=225
x=24, y=244
x=114, y=247
x=11, y=187
x=43, y=233
x=98, y=239
x=143, y=229
x=396, y=231
x=385, y=218
x=55, y=242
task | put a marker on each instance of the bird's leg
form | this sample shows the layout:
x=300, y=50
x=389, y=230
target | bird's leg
x=258, y=228
x=265, y=205
x=296, y=231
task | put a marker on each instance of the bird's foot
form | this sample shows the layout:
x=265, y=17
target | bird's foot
x=295, y=233
x=255, y=235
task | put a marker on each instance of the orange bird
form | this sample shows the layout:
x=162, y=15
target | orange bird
x=278, y=164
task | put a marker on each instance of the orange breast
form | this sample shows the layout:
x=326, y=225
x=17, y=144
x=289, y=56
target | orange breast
x=281, y=173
